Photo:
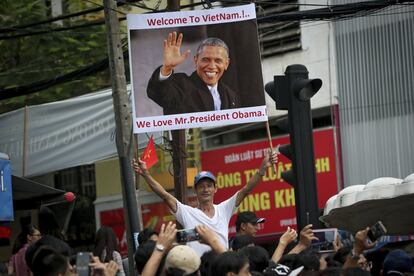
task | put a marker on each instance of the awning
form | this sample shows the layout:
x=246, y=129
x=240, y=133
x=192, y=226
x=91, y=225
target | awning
x=386, y=199
x=28, y=194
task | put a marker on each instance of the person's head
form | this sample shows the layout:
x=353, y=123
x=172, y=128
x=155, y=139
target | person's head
x=206, y=262
x=182, y=260
x=47, y=241
x=147, y=234
x=205, y=186
x=143, y=253
x=355, y=271
x=310, y=260
x=241, y=241
x=230, y=263
x=59, y=247
x=105, y=239
x=248, y=223
x=33, y=235
x=397, y=262
x=47, y=261
x=211, y=60
x=258, y=257
x=341, y=255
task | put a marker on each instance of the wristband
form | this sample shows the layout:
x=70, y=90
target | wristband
x=160, y=247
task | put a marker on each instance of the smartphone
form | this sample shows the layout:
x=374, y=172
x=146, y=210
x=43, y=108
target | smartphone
x=187, y=235
x=376, y=231
x=82, y=263
x=326, y=238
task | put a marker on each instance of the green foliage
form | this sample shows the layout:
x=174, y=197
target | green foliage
x=28, y=59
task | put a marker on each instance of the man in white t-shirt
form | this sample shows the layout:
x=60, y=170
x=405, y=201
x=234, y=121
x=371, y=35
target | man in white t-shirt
x=216, y=217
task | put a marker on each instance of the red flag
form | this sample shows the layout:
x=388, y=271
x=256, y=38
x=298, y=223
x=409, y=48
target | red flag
x=149, y=156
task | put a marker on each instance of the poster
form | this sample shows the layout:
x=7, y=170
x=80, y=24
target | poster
x=197, y=68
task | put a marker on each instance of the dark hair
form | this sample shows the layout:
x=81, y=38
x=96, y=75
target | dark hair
x=58, y=245
x=355, y=271
x=310, y=260
x=341, y=254
x=206, y=261
x=105, y=240
x=240, y=241
x=143, y=253
x=175, y=271
x=332, y=271
x=229, y=261
x=145, y=235
x=21, y=239
x=48, y=262
x=258, y=257
x=291, y=260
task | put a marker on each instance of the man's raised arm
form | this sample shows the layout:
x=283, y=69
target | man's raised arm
x=141, y=168
x=269, y=160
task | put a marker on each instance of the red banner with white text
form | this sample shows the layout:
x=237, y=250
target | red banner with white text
x=272, y=198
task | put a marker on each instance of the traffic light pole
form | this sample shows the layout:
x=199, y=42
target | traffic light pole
x=300, y=116
x=293, y=92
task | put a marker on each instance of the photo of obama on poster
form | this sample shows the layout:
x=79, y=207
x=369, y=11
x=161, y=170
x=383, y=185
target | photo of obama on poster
x=195, y=69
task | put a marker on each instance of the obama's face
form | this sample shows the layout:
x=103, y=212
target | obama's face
x=211, y=63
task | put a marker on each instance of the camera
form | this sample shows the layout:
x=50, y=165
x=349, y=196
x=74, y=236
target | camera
x=187, y=235
x=326, y=238
x=376, y=231
x=82, y=263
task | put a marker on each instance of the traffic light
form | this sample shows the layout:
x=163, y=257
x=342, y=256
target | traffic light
x=292, y=92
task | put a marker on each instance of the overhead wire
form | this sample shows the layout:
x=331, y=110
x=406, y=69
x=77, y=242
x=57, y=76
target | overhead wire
x=5, y=91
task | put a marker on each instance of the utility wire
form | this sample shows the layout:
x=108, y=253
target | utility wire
x=332, y=12
x=50, y=20
x=337, y=11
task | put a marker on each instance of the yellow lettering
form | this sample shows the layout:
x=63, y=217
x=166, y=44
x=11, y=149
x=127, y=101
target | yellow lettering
x=285, y=198
x=264, y=201
x=279, y=201
x=220, y=180
x=255, y=202
x=237, y=179
x=228, y=180
x=272, y=174
x=322, y=165
x=290, y=197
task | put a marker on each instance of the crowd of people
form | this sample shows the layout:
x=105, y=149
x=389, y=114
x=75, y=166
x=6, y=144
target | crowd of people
x=208, y=251
x=294, y=255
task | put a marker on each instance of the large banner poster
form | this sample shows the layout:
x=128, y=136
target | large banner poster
x=195, y=69
x=272, y=198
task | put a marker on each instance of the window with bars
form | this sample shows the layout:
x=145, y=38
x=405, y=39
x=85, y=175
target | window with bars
x=278, y=37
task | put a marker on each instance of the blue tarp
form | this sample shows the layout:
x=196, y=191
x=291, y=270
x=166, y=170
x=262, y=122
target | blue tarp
x=6, y=198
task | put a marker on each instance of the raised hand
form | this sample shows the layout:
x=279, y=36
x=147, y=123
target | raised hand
x=269, y=160
x=172, y=53
x=167, y=235
x=209, y=237
x=361, y=242
x=139, y=167
x=307, y=236
x=289, y=236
